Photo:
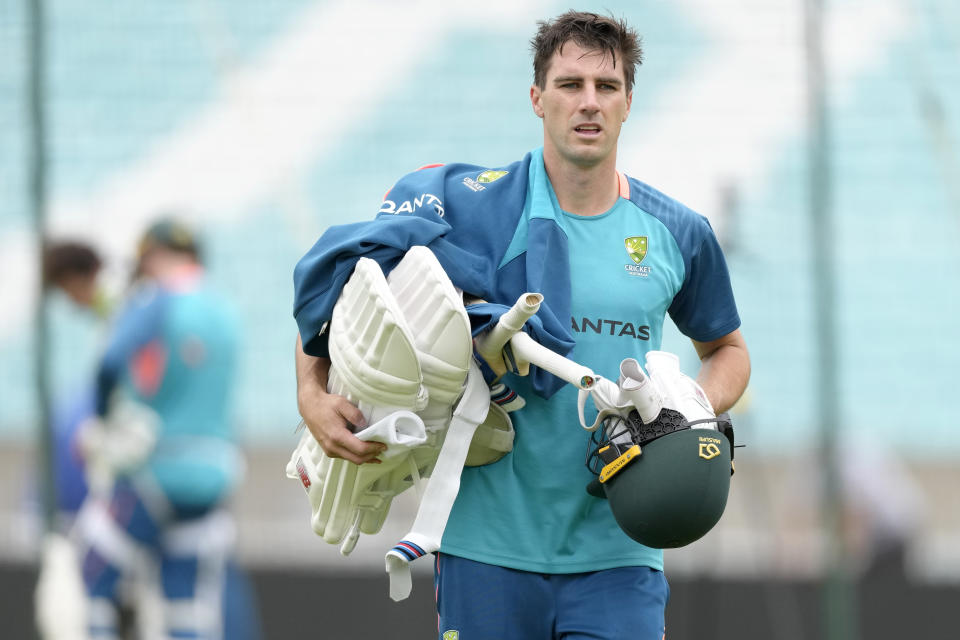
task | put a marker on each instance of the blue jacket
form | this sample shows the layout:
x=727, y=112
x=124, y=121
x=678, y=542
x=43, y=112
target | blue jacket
x=469, y=225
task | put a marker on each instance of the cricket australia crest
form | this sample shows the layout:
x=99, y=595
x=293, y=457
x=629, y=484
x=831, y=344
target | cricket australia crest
x=487, y=177
x=636, y=248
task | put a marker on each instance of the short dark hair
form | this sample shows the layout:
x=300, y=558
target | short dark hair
x=65, y=258
x=591, y=31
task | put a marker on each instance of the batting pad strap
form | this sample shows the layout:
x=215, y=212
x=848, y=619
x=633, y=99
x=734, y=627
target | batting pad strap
x=398, y=561
x=442, y=488
x=409, y=550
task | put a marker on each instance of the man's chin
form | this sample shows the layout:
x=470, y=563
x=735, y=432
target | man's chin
x=588, y=156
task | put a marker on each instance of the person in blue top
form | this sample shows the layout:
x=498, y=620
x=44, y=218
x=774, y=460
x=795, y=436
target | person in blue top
x=527, y=553
x=161, y=521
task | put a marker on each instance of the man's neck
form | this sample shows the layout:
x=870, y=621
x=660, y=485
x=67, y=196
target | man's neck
x=583, y=191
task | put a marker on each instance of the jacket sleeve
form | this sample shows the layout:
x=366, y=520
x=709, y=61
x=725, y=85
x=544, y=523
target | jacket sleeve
x=412, y=213
x=321, y=274
x=468, y=231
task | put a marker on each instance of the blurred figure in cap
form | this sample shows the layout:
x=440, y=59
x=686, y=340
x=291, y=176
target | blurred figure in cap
x=165, y=242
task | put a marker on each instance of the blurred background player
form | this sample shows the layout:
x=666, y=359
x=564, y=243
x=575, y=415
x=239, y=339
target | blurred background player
x=70, y=268
x=161, y=448
x=73, y=268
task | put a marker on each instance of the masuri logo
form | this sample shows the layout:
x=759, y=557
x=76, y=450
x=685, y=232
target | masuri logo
x=709, y=448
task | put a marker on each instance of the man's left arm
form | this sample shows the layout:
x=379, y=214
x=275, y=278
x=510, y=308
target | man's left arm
x=724, y=369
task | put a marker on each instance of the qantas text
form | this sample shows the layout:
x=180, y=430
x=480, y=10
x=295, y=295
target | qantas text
x=603, y=326
x=409, y=206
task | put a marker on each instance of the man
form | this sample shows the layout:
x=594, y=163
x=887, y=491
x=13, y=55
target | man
x=172, y=460
x=527, y=553
x=73, y=268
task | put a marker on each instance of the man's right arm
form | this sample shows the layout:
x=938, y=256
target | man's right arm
x=328, y=416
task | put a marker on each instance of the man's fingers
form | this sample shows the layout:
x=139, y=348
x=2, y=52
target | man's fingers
x=349, y=447
x=337, y=439
x=352, y=415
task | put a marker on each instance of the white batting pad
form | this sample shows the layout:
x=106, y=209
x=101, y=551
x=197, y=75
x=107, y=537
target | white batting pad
x=60, y=599
x=400, y=349
x=374, y=361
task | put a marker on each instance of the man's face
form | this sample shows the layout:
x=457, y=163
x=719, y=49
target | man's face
x=583, y=104
x=80, y=287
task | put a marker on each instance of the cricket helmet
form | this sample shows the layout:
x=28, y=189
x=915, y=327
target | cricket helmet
x=667, y=483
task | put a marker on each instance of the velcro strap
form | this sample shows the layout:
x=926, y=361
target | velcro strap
x=495, y=439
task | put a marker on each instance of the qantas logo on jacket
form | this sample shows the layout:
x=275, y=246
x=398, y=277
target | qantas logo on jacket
x=410, y=206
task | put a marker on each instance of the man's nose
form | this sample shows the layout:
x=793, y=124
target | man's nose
x=588, y=100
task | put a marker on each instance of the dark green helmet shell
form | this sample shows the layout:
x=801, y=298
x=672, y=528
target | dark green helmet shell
x=675, y=491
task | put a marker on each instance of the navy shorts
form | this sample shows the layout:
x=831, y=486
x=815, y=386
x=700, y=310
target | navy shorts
x=477, y=601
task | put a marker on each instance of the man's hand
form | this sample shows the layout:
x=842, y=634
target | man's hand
x=331, y=418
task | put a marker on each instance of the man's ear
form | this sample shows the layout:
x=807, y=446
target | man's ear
x=629, y=103
x=535, y=95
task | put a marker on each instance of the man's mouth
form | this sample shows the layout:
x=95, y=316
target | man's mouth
x=588, y=129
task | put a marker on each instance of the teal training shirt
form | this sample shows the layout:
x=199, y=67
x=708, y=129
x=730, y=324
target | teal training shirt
x=174, y=349
x=530, y=510
x=197, y=460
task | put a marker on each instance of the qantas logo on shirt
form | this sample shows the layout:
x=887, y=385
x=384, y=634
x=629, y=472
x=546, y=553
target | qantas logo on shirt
x=637, y=250
x=616, y=328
